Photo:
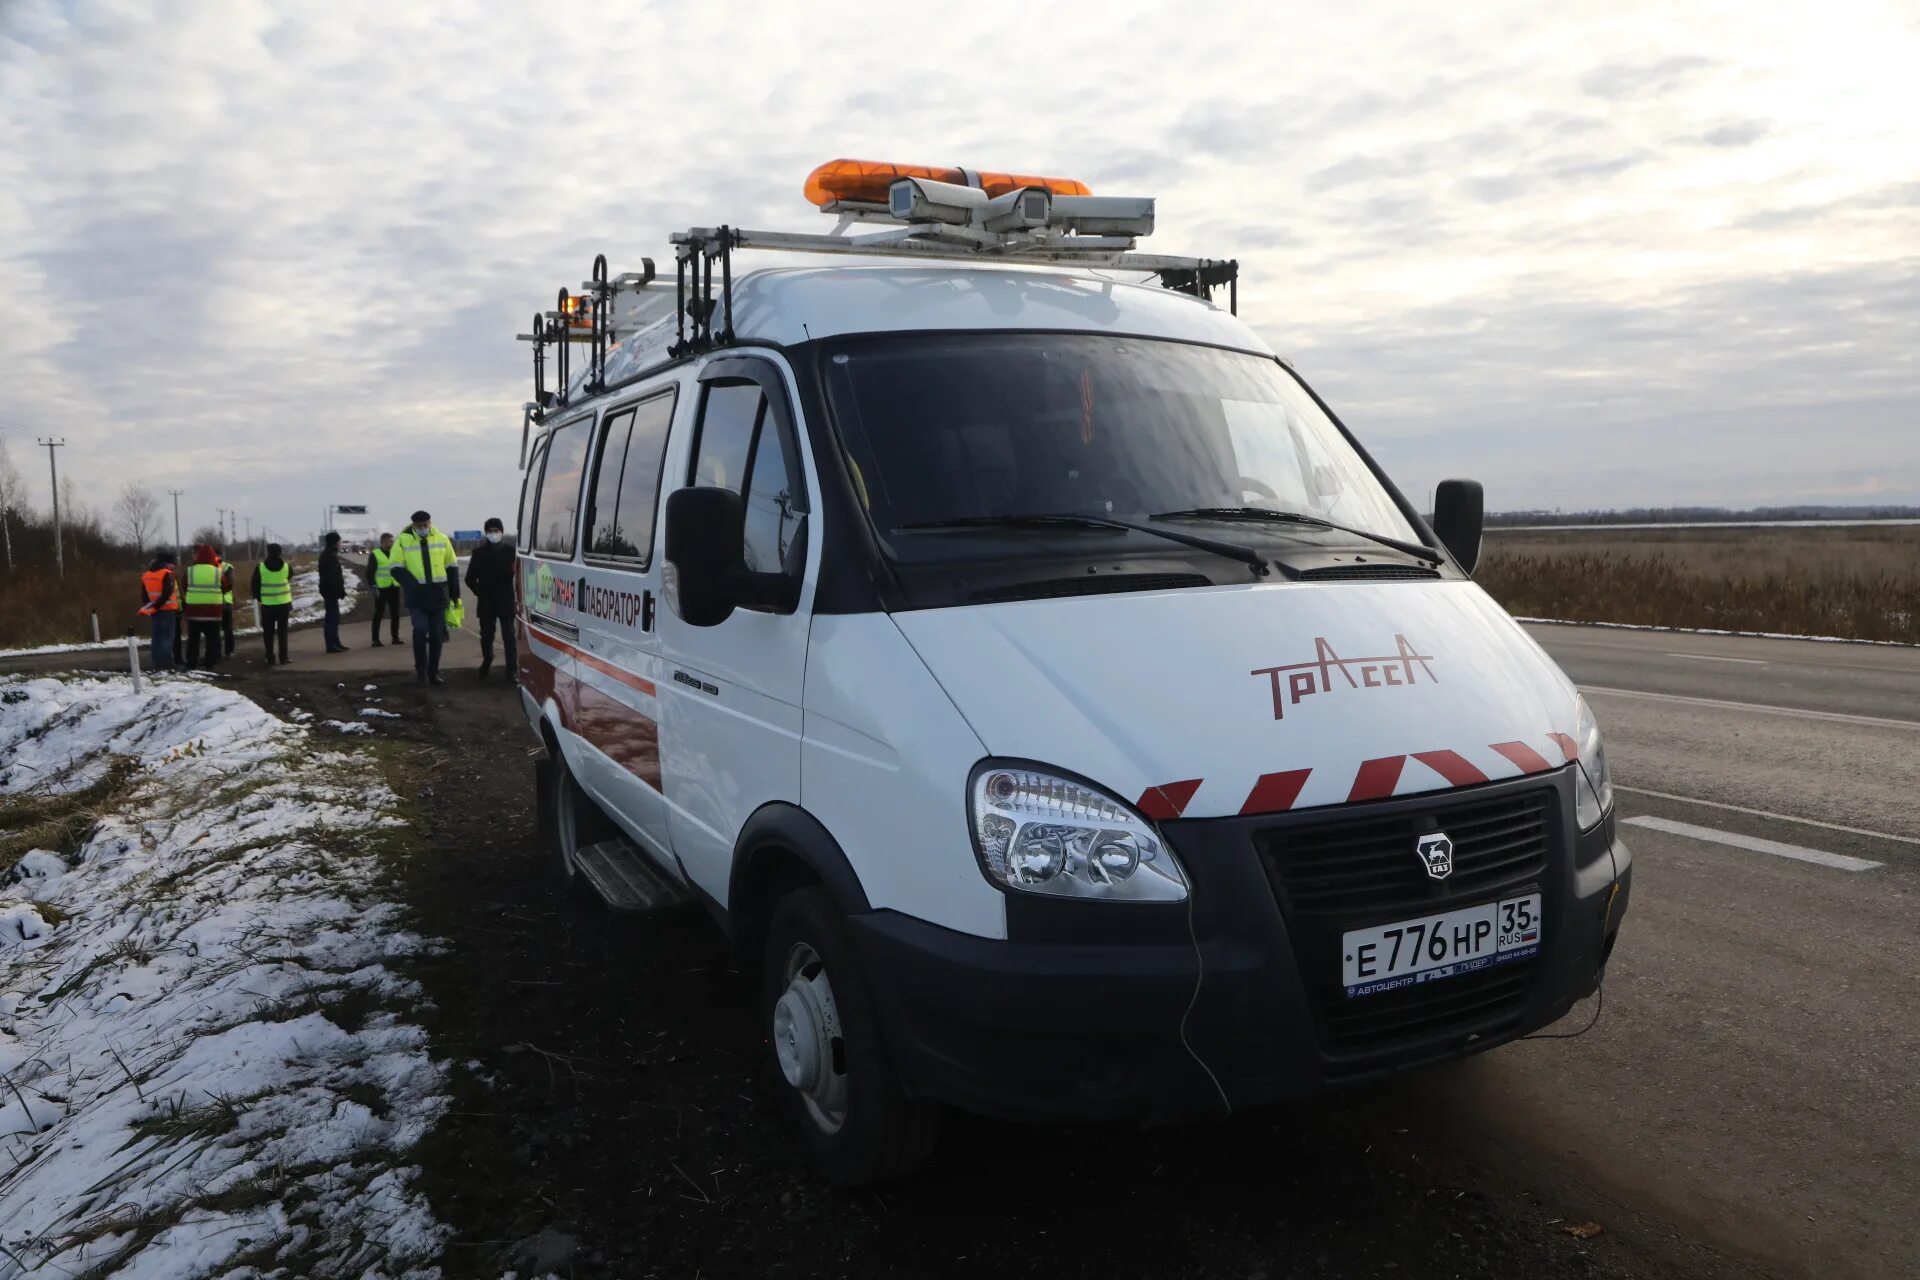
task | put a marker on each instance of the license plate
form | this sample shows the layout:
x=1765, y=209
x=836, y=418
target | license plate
x=1445, y=945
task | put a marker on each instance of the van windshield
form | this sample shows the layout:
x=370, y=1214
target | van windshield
x=974, y=428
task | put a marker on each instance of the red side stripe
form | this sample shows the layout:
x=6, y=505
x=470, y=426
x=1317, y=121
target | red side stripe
x=1568, y=747
x=1452, y=766
x=1524, y=757
x=627, y=678
x=1377, y=778
x=1168, y=800
x=1275, y=792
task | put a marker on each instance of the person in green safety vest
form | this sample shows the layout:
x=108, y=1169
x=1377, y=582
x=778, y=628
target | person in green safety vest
x=386, y=592
x=273, y=592
x=429, y=576
x=202, y=597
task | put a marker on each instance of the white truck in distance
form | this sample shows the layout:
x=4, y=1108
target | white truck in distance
x=1061, y=711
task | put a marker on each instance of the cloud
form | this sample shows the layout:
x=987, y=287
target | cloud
x=276, y=254
x=1630, y=79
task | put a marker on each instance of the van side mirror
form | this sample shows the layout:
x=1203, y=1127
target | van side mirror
x=705, y=566
x=1459, y=512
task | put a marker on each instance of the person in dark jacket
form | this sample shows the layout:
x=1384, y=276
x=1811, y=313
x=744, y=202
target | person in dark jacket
x=333, y=589
x=273, y=592
x=490, y=571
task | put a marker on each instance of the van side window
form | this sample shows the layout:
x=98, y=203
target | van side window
x=558, y=513
x=732, y=414
x=773, y=513
x=741, y=447
x=627, y=483
x=530, y=489
x=604, y=535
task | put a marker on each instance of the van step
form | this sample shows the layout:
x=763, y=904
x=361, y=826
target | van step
x=626, y=878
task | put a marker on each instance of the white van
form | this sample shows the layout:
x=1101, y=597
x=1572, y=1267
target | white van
x=1053, y=700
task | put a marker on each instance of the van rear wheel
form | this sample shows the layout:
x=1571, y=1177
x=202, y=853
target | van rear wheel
x=830, y=1061
x=569, y=819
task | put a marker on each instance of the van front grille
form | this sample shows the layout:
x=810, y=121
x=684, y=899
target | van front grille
x=1369, y=865
x=1486, y=1002
x=1347, y=872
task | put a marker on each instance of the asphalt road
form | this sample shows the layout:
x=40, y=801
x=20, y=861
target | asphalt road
x=1752, y=1078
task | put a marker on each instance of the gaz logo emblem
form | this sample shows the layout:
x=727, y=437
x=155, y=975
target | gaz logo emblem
x=1436, y=854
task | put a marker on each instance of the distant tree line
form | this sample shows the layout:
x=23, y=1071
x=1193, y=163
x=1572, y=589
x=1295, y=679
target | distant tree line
x=1700, y=515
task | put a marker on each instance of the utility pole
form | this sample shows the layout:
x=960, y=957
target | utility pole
x=53, y=469
x=250, y=538
x=219, y=521
x=176, y=522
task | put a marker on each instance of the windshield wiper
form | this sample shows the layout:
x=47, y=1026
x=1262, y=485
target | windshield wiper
x=1074, y=519
x=1413, y=549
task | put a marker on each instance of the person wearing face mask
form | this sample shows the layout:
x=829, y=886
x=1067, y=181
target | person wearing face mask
x=429, y=578
x=490, y=571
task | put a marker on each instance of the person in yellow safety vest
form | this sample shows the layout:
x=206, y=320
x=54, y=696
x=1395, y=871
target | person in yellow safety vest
x=386, y=592
x=429, y=576
x=273, y=592
x=226, y=602
x=203, y=600
x=160, y=600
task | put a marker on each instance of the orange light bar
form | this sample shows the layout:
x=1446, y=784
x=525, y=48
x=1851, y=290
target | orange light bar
x=866, y=181
x=578, y=311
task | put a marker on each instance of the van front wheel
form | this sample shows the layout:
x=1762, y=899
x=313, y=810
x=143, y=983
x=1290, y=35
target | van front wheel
x=830, y=1061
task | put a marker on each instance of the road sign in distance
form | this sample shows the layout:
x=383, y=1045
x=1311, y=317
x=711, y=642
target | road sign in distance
x=467, y=535
x=350, y=511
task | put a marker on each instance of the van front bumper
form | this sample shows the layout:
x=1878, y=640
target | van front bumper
x=1106, y=1012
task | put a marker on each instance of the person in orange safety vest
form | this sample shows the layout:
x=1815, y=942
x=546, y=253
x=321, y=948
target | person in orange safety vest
x=160, y=601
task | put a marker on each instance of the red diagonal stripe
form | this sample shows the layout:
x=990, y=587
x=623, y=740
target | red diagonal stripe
x=1275, y=792
x=1452, y=766
x=1377, y=778
x=1523, y=756
x=1568, y=746
x=1168, y=800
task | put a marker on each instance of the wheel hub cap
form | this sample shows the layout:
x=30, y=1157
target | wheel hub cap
x=806, y=1040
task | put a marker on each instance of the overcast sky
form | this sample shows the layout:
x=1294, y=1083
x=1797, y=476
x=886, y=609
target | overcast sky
x=275, y=254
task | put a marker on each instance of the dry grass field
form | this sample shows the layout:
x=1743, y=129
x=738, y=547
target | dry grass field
x=1860, y=582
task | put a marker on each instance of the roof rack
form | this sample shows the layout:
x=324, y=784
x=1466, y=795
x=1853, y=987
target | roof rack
x=986, y=217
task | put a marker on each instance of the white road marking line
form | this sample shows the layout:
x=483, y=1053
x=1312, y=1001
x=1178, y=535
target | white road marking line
x=1766, y=813
x=1714, y=657
x=1799, y=853
x=1799, y=713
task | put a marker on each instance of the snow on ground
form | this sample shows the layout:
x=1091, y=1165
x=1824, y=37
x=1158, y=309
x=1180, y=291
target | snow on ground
x=207, y=1063
x=306, y=608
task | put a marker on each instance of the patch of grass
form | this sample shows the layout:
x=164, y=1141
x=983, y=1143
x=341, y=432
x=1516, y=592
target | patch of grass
x=1861, y=584
x=176, y=1120
x=60, y=822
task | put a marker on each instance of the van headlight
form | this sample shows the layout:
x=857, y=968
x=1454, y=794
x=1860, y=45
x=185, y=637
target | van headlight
x=1038, y=833
x=1593, y=789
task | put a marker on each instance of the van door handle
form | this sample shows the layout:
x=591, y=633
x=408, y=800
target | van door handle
x=646, y=610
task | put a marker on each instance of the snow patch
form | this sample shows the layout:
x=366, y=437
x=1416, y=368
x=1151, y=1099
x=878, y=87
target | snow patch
x=209, y=1063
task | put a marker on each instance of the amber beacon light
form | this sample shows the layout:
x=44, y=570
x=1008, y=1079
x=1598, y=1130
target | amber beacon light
x=867, y=181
